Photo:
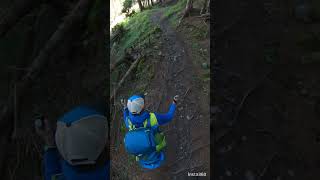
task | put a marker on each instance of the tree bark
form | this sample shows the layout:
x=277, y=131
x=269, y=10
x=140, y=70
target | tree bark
x=208, y=6
x=187, y=10
x=204, y=7
x=140, y=5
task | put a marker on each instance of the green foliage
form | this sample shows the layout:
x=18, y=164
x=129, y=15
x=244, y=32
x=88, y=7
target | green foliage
x=127, y=4
x=138, y=29
x=123, y=128
x=117, y=32
x=199, y=31
x=172, y=12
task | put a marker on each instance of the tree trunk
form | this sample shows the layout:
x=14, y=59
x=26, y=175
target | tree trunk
x=204, y=7
x=189, y=7
x=151, y=2
x=208, y=6
x=140, y=5
x=187, y=10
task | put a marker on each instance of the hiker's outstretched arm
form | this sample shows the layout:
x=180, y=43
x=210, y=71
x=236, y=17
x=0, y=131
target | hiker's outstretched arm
x=125, y=115
x=167, y=117
x=51, y=163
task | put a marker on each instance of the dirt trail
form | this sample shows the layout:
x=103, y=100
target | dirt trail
x=188, y=135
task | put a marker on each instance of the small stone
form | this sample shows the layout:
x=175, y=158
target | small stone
x=188, y=117
x=160, y=53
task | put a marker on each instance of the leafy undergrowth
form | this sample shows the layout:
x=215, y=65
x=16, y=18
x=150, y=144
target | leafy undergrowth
x=173, y=12
x=138, y=30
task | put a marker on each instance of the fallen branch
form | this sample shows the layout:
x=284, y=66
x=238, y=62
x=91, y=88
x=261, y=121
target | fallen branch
x=266, y=167
x=199, y=147
x=188, y=9
x=205, y=16
x=133, y=66
x=118, y=63
x=179, y=72
x=248, y=93
x=185, y=94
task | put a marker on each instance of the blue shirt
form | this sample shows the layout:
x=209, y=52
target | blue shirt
x=155, y=159
x=55, y=166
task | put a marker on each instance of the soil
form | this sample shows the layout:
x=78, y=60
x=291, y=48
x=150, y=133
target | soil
x=266, y=96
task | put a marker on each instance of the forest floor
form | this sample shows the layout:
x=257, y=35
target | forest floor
x=266, y=92
x=178, y=70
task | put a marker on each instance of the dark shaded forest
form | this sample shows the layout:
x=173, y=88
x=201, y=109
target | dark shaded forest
x=53, y=57
x=266, y=90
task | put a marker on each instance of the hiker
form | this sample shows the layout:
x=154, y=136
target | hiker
x=79, y=150
x=144, y=139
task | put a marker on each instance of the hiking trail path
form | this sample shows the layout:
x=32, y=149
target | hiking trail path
x=188, y=134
